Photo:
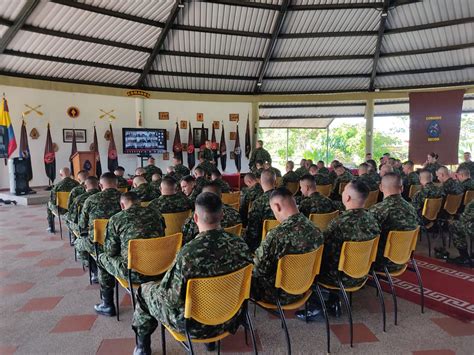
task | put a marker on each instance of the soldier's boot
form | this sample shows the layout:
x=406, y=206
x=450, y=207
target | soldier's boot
x=94, y=271
x=462, y=259
x=143, y=346
x=51, y=226
x=334, y=306
x=211, y=346
x=107, y=306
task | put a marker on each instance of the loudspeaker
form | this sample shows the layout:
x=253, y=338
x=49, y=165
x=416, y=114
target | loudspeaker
x=18, y=169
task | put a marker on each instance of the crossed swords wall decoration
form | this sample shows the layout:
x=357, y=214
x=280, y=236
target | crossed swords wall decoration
x=32, y=109
x=107, y=115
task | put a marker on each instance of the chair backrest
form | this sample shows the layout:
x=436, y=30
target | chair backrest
x=296, y=272
x=413, y=190
x=268, y=225
x=153, y=256
x=372, y=198
x=215, y=300
x=175, y=221
x=230, y=198
x=122, y=189
x=278, y=181
x=293, y=187
x=342, y=186
x=324, y=190
x=100, y=226
x=431, y=208
x=452, y=203
x=235, y=206
x=237, y=229
x=321, y=220
x=61, y=199
x=145, y=203
x=357, y=257
x=400, y=245
x=468, y=197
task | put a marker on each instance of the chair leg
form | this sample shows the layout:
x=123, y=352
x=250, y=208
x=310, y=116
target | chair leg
x=420, y=283
x=429, y=243
x=323, y=306
x=60, y=226
x=349, y=310
x=350, y=299
x=117, y=299
x=190, y=343
x=382, y=302
x=90, y=269
x=130, y=285
x=75, y=257
x=163, y=339
x=394, y=295
x=306, y=312
x=285, y=328
x=218, y=347
x=252, y=332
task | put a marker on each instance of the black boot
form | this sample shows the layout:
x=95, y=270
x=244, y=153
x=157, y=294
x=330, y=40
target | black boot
x=334, y=305
x=462, y=259
x=93, y=267
x=211, y=346
x=143, y=346
x=107, y=307
x=51, y=226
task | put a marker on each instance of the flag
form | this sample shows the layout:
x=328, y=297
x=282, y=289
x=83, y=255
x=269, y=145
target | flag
x=215, y=154
x=248, y=144
x=237, y=151
x=202, y=143
x=112, y=159
x=191, y=156
x=7, y=135
x=25, y=150
x=177, y=146
x=223, y=150
x=49, y=157
x=98, y=166
x=73, y=150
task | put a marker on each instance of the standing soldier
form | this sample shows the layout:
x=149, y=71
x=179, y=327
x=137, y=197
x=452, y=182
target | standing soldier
x=170, y=201
x=290, y=176
x=207, y=154
x=179, y=168
x=468, y=163
x=259, y=153
x=151, y=169
x=313, y=201
x=461, y=230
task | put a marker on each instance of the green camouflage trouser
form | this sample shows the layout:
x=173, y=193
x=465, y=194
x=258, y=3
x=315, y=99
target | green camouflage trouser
x=459, y=235
x=84, y=247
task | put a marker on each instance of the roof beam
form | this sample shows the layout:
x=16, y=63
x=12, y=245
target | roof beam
x=211, y=56
x=203, y=75
x=424, y=71
x=427, y=50
x=378, y=45
x=159, y=42
x=317, y=7
x=329, y=76
x=221, y=31
x=329, y=34
x=271, y=46
x=20, y=20
x=429, y=26
x=256, y=5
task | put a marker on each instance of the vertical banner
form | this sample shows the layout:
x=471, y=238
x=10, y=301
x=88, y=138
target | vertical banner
x=112, y=158
x=98, y=165
x=237, y=151
x=190, y=150
x=49, y=157
x=223, y=150
x=177, y=146
x=73, y=151
x=25, y=149
x=435, y=123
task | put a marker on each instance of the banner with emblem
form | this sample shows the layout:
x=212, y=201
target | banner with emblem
x=49, y=157
x=215, y=154
x=112, y=158
x=223, y=150
x=190, y=149
x=248, y=144
x=177, y=146
x=73, y=151
x=237, y=151
x=24, y=151
x=98, y=165
x=435, y=124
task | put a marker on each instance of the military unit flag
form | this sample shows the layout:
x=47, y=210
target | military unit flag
x=112, y=158
x=49, y=157
x=7, y=135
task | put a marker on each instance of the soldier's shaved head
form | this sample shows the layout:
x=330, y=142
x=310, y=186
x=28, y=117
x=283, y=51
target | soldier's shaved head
x=156, y=177
x=250, y=180
x=168, y=186
x=108, y=181
x=65, y=172
x=267, y=180
x=82, y=175
x=385, y=169
x=313, y=169
x=391, y=184
x=216, y=174
x=463, y=174
x=363, y=168
x=213, y=187
x=138, y=180
x=425, y=177
x=442, y=173
x=139, y=171
x=128, y=199
x=307, y=185
x=199, y=172
x=283, y=204
x=91, y=183
x=208, y=211
x=355, y=194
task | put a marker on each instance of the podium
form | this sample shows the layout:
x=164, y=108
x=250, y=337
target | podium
x=83, y=161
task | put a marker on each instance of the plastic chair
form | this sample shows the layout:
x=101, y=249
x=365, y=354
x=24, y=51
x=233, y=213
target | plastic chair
x=174, y=221
x=355, y=261
x=278, y=181
x=145, y=203
x=399, y=249
x=122, y=189
x=268, y=225
x=235, y=206
x=324, y=190
x=61, y=202
x=468, y=197
x=213, y=301
x=321, y=220
x=237, y=229
x=293, y=187
x=342, y=186
x=296, y=274
x=100, y=228
x=430, y=212
x=413, y=190
x=149, y=257
x=372, y=198
x=230, y=198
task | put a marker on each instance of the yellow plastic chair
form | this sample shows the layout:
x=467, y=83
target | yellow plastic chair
x=356, y=261
x=237, y=229
x=413, y=190
x=342, y=186
x=468, y=197
x=214, y=301
x=321, y=220
x=122, y=189
x=148, y=257
x=100, y=228
x=452, y=204
x=278, y=181
x=430, y=212
x=296, y=274
x=235, y=206
x=174, y=221
x=293, y=187
x=372, y=198
x=145, y=203
x=230, y=198
x=324, y=190
x=399, y=250
x=268, y=225
x=61, y=202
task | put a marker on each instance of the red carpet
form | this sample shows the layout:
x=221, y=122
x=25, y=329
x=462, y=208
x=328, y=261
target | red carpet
x=448, y=289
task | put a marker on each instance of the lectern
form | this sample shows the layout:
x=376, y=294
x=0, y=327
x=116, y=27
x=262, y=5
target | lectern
x=83, y=161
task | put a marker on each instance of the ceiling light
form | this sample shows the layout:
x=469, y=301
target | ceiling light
x=259, y=83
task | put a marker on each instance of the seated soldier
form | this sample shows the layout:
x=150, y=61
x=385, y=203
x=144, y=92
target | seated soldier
x=449, y=185
x=260, y=211
x=313, y=201
x=343, y=177
x=230, y=215
x=151, y=169
x=170, y=172
x=170, y=201
x=101, y=205
x=251, y=193
x=156, y=184
x=258, y=168
x=216, y=176
x=464, y=177
x=201, y=179
x=410, y=177
x=392, y=214
x=308, y=163
x=79, y=189
x=268, y=166
x=366, y=178
x=133, y=222
x=119, y=173
x=212, y=253
x=332, y=174
x=66, y=184
x=385, y=169
x=143, y=189
x=398, y=168
x=322, y=169
x=321, y=179
x=296, y=234
x=373, y=170
x=302, y=169
x=461, y=230
x=205, y=165
x=187, y=185
x=290, y=175
x=179, y=168
x=428, y=190
x=141, y=172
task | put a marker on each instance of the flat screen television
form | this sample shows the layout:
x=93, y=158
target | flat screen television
x=143, y=140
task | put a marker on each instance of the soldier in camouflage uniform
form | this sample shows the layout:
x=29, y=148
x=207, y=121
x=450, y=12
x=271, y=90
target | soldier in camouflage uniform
x=295, y=235
x=201, y=180
x=392, y=214
x=260, y=211
x=332, y=174
x=450, y=186
x=259, y=153
x=170, y=201
x=464, y=177
x=216, y=177
x=257, y=170
x=468, y=163
x=79, y=189
x=313, y=201
x=366, y=178
x=320, y=178
x=322, y=169
x=143, y=189
x=301, y=171
x=187, y=185
x=268, y=166
x=65, y=185
x=179, y=168
x=206, y=153
x=156, y=184
x=343, y=176
x=121, y=181
x=213, y=252
x=205, y=165
x=290, y=176
x=251, y=193
x=151, y=169
x=410, y=177
x=133, y=222
x=432, y=165
x=428, y=190
x=230, y=216
x=461, y=230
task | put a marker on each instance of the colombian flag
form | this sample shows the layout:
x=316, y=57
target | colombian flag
x=7, y=128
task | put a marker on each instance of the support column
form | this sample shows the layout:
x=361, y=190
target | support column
x=369, y=126
x=255, y=123
x=139, y=112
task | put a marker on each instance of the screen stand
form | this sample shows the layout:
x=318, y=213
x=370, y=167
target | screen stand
x=143, y=157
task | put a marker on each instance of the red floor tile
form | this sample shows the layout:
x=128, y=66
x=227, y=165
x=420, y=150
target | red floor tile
x=77, y=323
x=29, y=254
x=362, y=334
x=70, y=272
x=373, y=305
x=454, y=327
x=7, y=350
x=12, y=246
x=40, y=304
x=54, y=238
x=126, y=301
x=4, y=274
x=434, y=352
x=236, y=343
x=49, y=262
x=123, y=346
x=12, y=289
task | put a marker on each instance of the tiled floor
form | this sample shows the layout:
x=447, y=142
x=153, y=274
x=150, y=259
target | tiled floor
x=47, y=308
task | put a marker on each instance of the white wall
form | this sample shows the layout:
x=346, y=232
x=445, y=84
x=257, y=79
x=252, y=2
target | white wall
x=55, y=103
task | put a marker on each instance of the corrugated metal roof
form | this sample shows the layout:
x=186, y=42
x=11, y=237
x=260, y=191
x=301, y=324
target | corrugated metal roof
x=312, y=111
x=320, y=67
x=3, y=29
x=200, y=84
x=11, y=9
x=397, y=80
x=296, y=123
x=309, y=85
x=332, y=2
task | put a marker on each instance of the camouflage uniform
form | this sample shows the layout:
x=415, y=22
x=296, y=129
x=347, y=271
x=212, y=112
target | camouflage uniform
x=230, y=218
x=259, y=154
x=132, y=223
x=257, y=172
x=468, y=184
x=170, y=203
x=464, y=227
x=323, y=171
x=316, y=203
x=181, y=171
x=150, y=170
x=332, y=176
x=369, y=181
x=251, y=194
x=375, y=177
x=65, y=185
x=452, y=187
x=122, y=182
x=211, y=253
x=322, y=179
x=433, y=168
x=145, y=192
x=469, y=165
x=155, y=185
x=301, y=171
x=75, y=210
x=259, y=212
x=296, y=235
x=409, y=180
x=275, y=171
x=192, y=197
x=200, y=183
x=430, y=190
x=207, y=154
x=75, y=192
x=223, y=185
x=344, y=178
x=290, y=176
x=392, y=214
x=351, y=225
x=207, y=167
